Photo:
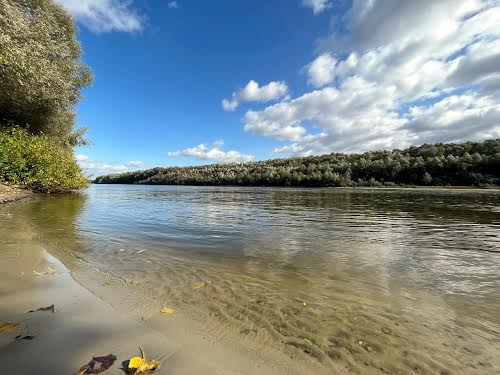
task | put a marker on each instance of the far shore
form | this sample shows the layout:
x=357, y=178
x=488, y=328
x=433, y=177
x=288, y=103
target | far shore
x=397, y=187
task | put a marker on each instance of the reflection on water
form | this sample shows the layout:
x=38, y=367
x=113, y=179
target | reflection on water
x=368, y=281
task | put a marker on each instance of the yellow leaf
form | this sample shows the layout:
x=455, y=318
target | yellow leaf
x=135, y=362
x=147, y=366
x=8, y=327
x=199, y=285
x=140, y=366
x=167, y=310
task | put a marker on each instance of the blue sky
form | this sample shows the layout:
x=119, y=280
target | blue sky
x=191, y=82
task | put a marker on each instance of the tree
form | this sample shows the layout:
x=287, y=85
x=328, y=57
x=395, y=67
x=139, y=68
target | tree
x=41, y=73
x=427, y=178
x=439, y=164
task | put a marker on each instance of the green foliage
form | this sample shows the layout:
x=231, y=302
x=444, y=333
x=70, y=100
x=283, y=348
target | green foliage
x=42, y=162
x=41, y=76
x=466, y=164
x=41, y=73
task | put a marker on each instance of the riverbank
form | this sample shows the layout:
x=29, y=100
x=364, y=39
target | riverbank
x=83, y=325
x=13, y=193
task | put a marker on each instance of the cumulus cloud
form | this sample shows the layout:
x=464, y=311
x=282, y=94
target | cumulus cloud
x=173, y=5
x=322, y=70
x=252, y=92
x=104, y=15
x=202, y=152
x=317, y=6
x=94, y=168
x=385, y=83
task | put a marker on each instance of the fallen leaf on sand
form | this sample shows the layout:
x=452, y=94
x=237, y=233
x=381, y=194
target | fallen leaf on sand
x=167, y=310
x=50, y=272
x=8, y=327
x=140, y=365
x=104, y=362
x=50, y=308
x=27, y=337
x=199, y=285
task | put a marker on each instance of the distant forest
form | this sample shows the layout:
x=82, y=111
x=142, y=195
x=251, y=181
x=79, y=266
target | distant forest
x=466, y=164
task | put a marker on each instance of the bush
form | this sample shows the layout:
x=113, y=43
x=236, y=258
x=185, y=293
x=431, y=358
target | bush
x=42, y=162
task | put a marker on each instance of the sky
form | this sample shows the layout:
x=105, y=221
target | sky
x=191, y=82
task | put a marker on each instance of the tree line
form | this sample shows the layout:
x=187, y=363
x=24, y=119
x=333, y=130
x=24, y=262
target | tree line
x=464, y=164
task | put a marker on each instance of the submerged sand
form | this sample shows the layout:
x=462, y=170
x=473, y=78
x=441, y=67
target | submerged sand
x=83, y=326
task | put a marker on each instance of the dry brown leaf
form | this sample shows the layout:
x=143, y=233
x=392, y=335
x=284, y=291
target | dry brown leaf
x=27, y=337
x=105, y=362
x=50, y=308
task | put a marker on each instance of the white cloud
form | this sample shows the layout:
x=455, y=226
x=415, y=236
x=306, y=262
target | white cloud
x=457, y=118
x=252, y=92
x=104, y=15
x=202, y=152
x=433, y=78
x=317, y=6
x=81, y=157
x=229, y=105
x=173, y=5
x=136, y=163
x=322, y=70
x=94, y=168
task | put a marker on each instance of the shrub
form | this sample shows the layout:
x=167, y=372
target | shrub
x=42, y=162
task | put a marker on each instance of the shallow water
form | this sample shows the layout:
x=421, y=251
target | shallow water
x=362, y=281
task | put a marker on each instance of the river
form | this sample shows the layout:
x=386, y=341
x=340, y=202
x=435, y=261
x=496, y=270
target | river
x=359, y=280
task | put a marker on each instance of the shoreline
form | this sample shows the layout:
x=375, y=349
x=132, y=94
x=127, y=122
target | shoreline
x=200, y=348
x=82, y=325
x=87, y=324
x=398, y=188
x=13, y=193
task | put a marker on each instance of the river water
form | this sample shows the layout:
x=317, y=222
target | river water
x=359, y=281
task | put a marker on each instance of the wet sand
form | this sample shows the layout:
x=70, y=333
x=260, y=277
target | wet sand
x=81, y=327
